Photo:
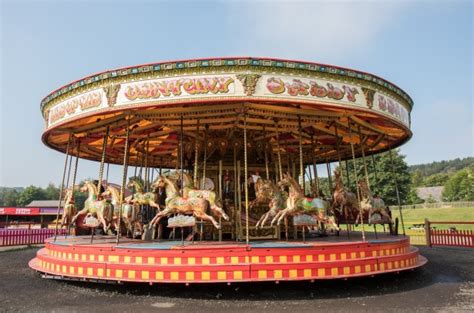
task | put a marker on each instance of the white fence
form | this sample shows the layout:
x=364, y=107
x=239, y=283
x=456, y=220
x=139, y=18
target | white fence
x=458, y=204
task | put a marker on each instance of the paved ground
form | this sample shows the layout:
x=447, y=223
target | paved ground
x=445, y=284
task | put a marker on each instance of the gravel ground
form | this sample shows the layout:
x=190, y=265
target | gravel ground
x=445, y=284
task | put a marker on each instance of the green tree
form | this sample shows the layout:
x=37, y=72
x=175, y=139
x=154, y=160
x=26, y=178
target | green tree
x=29, y=194
x=51, y=192
x=417, y=178
x=436, y=180
x=460, y=187
x=9, y=197
x=412, y=197
x=381, y=176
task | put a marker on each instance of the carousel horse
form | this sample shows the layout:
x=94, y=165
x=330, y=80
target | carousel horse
x=130, y=212
x=370, y=204
x=100, y=208
x=141, y=197
x=262, y=194
x=175, y=204
x=344, y=201
x=298, y=204
x=277, y=201
x=190, y=192
x=69, y=208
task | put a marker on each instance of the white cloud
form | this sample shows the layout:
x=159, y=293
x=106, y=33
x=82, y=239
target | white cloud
x=322, y=30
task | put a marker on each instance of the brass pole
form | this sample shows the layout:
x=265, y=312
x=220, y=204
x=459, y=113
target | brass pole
x=246, y=183
x=236, y=212
x=328, y=167
x=280, y=169
x=101, y=168
x=181, y=157
x=265, y=147
x=196, y=156
x=69, y=171
x=363, y=159
x=337, y=148
x=355, y=177
x=205, y=158
x=374, y=164
x=147, y=146
x=77, y=161
x=347, y=174
x=315, y=169
x=300, y=139
x=239, y=184
x=61, y=189
x=124, y=176
x=397, y=191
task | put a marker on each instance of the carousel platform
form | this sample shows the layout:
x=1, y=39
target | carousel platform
x=332, y=257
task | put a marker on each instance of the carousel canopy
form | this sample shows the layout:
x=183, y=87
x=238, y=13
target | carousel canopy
x=213, y=100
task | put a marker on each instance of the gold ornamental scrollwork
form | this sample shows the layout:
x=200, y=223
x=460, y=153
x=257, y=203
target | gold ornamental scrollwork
x=111, y=93
x=249, y=82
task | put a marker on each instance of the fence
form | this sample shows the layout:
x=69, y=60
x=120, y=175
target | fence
x=458, y=204
x=17, y=237
x=451, y=237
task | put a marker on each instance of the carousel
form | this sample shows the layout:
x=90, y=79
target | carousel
x=219, y=164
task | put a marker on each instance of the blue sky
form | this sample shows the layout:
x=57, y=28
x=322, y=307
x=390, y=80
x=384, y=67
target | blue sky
x=425, y=47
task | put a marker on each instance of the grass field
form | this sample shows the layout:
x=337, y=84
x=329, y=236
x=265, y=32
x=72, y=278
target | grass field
x=417, y=216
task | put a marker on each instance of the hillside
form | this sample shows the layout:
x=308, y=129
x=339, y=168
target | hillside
x=442, y=167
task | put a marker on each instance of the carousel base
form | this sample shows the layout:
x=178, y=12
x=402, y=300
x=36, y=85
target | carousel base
x=76, y=258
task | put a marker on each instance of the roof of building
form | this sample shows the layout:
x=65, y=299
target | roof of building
x=44, y=204
x=435, y=192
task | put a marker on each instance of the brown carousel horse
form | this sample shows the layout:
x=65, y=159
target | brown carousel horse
x=344, y=201
x=190, y=192
x=130, y=212
x=69, y=208
x=102, y=209
x=298, y=204
x=371, y=205
x=269, y=190
x=175, y=204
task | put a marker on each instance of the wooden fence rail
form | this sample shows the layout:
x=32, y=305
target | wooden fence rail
x=449, y=237
x=17, y=237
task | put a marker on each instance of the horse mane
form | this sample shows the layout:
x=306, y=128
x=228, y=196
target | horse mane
x=91, y=185
x=137, y=182
x=170, y=183
x=114, y=192
x=294, y=184
x=364, y=189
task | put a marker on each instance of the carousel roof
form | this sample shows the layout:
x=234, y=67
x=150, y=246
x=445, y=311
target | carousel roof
x=213, y=100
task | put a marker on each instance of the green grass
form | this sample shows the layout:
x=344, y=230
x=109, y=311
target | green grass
x=417, y=216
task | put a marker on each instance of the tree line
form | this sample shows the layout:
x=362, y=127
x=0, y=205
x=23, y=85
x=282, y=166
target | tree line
x=382, y=175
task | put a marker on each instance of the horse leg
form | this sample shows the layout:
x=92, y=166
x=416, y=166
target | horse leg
x=81, y=212
x=260, y=221
x=275, y=218
x=202, y=215
x=219, y=212
x=283, y=215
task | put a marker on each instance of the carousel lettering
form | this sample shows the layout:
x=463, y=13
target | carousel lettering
x=299, y=88
x=392, y=107
x=84, y=102
x=192, y=86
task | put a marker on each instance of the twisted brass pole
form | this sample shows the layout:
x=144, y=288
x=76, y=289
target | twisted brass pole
x=246, y=183
x=315, y=169
x=355, y=177
x=61, y=189
x=280, y=169
x=300, y=139
x=196, y=156
x=205, y=158
x=397, y=191
x=101, y=169
x=124, y=176
x=265, y=147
